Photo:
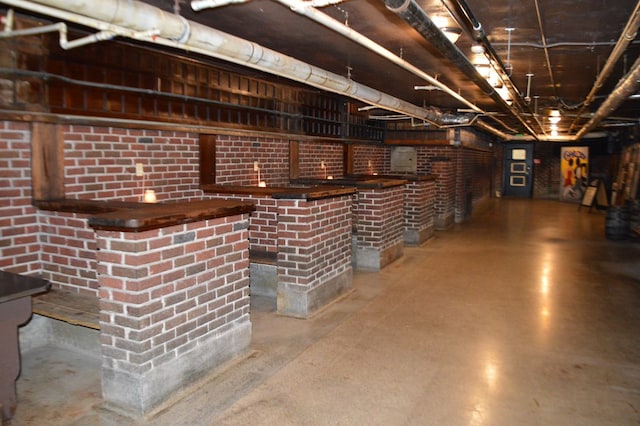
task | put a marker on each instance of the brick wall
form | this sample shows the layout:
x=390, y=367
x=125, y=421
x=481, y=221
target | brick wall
x=235, y=157
x=100, y=163
x=164, y=293
x=370, y=159
x=19, y=230
x=473, y=181
x=546, y=171
x=311, y=154
x=68, y=252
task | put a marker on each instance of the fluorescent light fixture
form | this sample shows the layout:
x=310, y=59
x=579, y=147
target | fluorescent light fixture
x=484, y=70
x=444, y=24
x=452, y=33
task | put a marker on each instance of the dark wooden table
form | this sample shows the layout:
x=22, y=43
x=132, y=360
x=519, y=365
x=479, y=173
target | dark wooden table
x=15, y=309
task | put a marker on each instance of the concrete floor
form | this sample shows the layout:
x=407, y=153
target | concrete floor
x=526, y=315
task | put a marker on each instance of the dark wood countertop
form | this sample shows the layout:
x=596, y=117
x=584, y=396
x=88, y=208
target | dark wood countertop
x=70, y=205
x=154, y=216
x=375, y=182
x=14, y=286
x=410, y=178
x=315, y=192
x=307, y=192
x=134, y=217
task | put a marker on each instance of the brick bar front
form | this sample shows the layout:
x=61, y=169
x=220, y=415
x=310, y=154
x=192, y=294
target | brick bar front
x=174, y=304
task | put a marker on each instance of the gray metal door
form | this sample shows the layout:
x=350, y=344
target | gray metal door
x=518, y=170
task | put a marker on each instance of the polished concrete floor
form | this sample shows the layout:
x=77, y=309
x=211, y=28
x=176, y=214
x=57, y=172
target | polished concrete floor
x=525, y=315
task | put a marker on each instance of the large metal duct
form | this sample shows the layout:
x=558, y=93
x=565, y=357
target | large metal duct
x=625, y=88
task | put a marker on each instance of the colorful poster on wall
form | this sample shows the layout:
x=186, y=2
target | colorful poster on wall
x=574, y=172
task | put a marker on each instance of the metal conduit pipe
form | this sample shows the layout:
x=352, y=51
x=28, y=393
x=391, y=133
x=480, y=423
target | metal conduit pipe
x=625, y=88
x=626, y=37
x=304, y=8
x=176, y=32
x=462, y=13
x=415, y=16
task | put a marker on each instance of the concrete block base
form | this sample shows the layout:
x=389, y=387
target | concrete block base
x=40, y=331
x=138, y=394
x=298, y=303
x=415, y=237
x=442, y=223
x=374, y=260
x=264, y=279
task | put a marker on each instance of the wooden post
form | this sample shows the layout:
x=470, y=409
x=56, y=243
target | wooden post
x=47, y=161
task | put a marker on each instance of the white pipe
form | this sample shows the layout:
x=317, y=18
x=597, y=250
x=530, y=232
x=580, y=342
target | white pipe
x=323, y=3
x=62, y=30
x=306, y=8
x=198, y=5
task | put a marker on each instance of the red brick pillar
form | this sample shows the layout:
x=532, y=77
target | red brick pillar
x=444, y=167
x=419, y=199
x=379, y=216
x=314, y=253
x=174, y=303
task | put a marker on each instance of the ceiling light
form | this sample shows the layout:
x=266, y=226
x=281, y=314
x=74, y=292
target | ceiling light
x=554, y=120
x=477, y=48
x=504, y=93
x=494, y=79
x=484, y=70
x=452, y=33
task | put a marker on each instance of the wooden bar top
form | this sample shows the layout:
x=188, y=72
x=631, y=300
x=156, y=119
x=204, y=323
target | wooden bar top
x=374, y=182
x=306, y=192
x=14, y=286
x=70, y=205
x=154, y=216
x=135, y=217
x=410, y=178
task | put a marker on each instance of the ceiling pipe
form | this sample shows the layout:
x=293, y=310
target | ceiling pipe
x=130, y=18
x=626, y=37
x=625, y=88
x=547, y=58
x=462, y=13
x=415, y=16
x=62, y=30
x=123, y=16
x=208, y=4
x=306, y=9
